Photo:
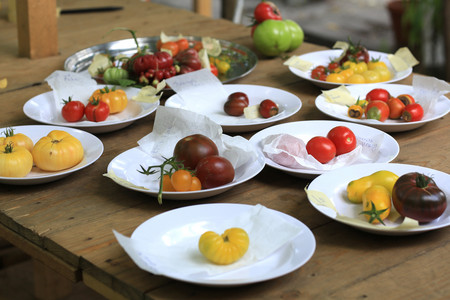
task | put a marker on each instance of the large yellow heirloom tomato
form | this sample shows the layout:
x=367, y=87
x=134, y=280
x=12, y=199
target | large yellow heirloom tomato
x=116, y=99
x=15, y=161
x=57, y=151
x=19, y=139
x=226, y=248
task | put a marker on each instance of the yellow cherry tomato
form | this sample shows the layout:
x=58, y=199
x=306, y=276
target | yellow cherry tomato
x=116, y=99
x=385, y=74
x=57, y=151
x=371, y=76
x=336, y=78
x=15, y=161
x=226, y=248
x=356, y=78
x=376, y=204
x=19, y=139
x=371, y=65
x=346, y=73
x=360, y=67
x=349, y=65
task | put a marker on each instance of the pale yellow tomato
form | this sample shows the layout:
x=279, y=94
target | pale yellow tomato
x=349, y=65
x=15, y=161
x=336, y=78
x=371, y=65
x=19, y=139
x=346, y=73
x=384, y=73
x=371, y=76
x=360, y=67
x=356, y=78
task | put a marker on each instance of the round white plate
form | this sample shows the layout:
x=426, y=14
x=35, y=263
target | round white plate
x=126, y=164
x=93, y=149
x=337, y=111
x=334, y=186
x=306, y=130
x=179, y=224
x=325, y=56
x=288, y=105
x=42, y=109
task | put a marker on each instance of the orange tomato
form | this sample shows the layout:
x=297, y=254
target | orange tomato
x=117, y=100
x=167, y=184
x=196, y=184
x=170, y=46
x=183, y=44
x=181, y=180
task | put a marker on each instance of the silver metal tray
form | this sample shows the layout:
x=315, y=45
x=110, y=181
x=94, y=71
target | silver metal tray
x=241, y=59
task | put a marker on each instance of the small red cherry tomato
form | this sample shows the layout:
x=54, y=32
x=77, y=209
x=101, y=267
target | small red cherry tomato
x=321, y=148
x=412, y=112
x=236, y=103
x=72, y=110
x=333, y=65
x=268, y=108
x=183, y=44
x=406, y=99
x=214, y=171
x=214, y=70
x=97, y=110
x=378, y=94
x=343, y=138
x=378, y=110
x=396, y=107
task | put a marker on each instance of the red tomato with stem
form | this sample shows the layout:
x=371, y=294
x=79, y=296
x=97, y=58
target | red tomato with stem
x=266, y=10
x=73, y=110
x=412, y=112
x=268, y=108
x=377, y=110
x=378, y=94
x=191, y=149
x=97, y=110
x=321, y=148
x=396, y=107
x=214, y=171
x=343, y=138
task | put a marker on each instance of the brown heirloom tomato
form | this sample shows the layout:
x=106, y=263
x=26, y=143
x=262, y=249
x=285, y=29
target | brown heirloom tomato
x=214, y=171
x=191, y=149
x=417, y=196
x=235, y=104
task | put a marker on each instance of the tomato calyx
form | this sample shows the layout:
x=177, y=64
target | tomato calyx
x=374, y=214
x=422, y=181
x=9, y=132
x=9, y=148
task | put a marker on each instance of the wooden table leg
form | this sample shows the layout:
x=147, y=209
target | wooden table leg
x=203, y=7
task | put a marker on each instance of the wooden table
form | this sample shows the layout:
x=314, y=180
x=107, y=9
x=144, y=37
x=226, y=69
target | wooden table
x=66, y=225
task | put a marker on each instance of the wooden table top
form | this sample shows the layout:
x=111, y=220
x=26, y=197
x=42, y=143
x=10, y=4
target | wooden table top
x=67, y=224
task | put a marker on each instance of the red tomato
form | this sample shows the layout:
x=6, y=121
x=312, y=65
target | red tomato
x=406, y=99
x=378, y=94
x=266, y=10
x=343, y=138
x=183, y=44
x=396, y=107
x=321, y=148
x=268, y=108
x=333, y=65
x=191, y=149
x=317, y=72
x=214, y=70
x=214, y=171
x=412, y=112
x=236, y=103
x=378, y=110
x=97, y=111
x=72, y=110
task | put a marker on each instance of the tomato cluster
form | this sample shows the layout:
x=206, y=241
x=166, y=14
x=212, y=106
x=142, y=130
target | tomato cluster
x=339, y=140
x=238, y=101
x=381, y=105
x=55, y=152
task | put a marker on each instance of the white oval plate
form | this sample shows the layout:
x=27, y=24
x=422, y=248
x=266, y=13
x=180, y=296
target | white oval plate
x=93, y=149
x=306, y=130
x=41, y=108
x=360, y=91
x=325, y=56
x=126, y=164
x=334, y=186
x=172, y=225
x=288, y=105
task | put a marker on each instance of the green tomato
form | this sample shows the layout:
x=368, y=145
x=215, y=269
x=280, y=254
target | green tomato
x=114, y=74
x=274, y=37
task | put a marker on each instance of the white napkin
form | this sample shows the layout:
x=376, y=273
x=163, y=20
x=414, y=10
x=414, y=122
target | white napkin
x=267, y=232
x=427, y=91
x=367, y=150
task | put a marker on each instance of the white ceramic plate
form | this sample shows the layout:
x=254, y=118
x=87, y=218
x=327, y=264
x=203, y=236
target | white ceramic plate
x=334, y=186
x=305, y=130
x=93, y=149
x=126, y=164
x=172, y=225
x=325, y=56
x=42, y=109
x=288, y=105
x=337, y=111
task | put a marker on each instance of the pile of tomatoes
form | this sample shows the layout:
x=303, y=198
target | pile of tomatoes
x=102, y=103
x=381, y=105
x=57, y=151
x=339, y=140
x=238, y=101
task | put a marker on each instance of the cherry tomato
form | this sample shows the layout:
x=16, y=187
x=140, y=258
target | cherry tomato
x=378, y=94
x=396, y=107
x=167, y=184
x=412, y=112
x=321, y=148
x=97, y=110
x=181, y=180
x=343, y=138
x=191, y=149
x=266, y=10
x=333, y=65
x=183, y=44
x=235, y=104
x=214, y=70
x=317, y=72
x=196, y=184
x=378, y=110
x=406, y=99
x=268, y=108
x=336, y=78
x=72, y=110
x=214, y=171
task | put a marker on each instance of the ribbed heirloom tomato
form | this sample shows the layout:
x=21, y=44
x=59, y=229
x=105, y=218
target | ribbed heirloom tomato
x=18, y=139
x=15, y=161
x=116, y=99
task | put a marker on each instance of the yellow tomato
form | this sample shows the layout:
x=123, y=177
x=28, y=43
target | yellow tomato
x=226, y=248
x=371, y=65
x=223, y=67
x=15, y=161
x=349, y=65
x=371, y=76
x=336, y=78
x=19, y=139
x=57, y=151
x=376, y=204
x=356, y=188
x=384, y=73
x=116, y=99
x=360, y=67
x=356, y=78
x=346, y=73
